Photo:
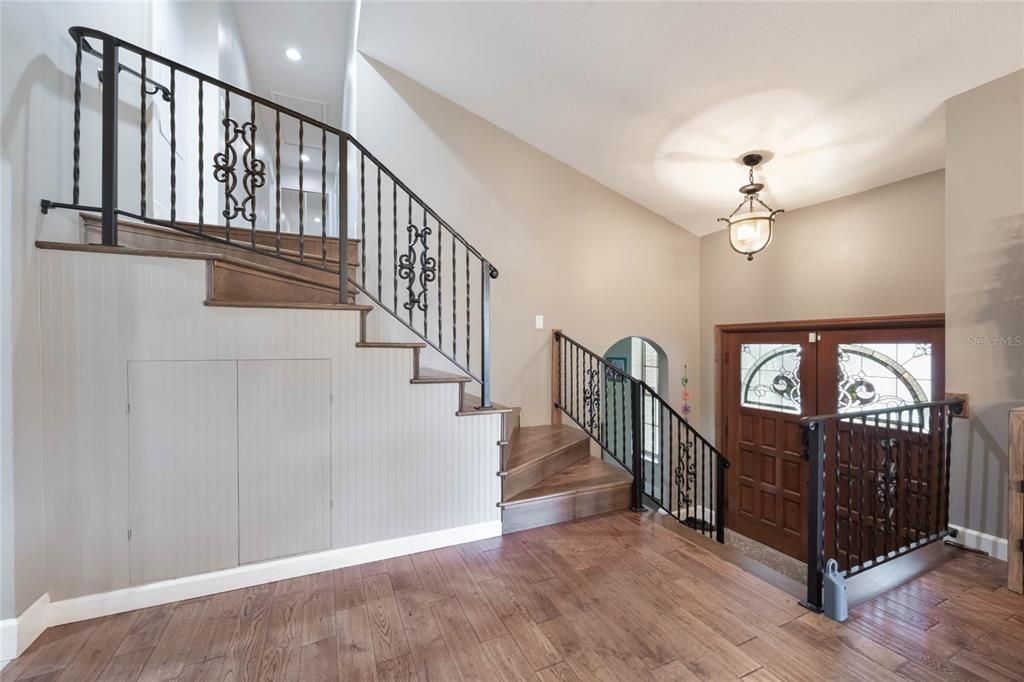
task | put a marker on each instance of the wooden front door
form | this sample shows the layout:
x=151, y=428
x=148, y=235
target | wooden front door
x=771, y=384
x=769, y=380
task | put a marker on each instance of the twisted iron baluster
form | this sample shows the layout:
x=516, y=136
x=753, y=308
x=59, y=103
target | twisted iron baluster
x=469, y=313
x=379, y=250
x=362, y=217
x=142, y=138
x=302, y=199
x=455, y=312
x=201, y=156
x=394, y=243
x=77, y=152
x=440, y=269
x=277, y=180
x=174, y=154
x=323, y=201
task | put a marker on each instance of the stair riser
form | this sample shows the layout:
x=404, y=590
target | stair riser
x=234, y=285
x=545, y=512
x=518, y=481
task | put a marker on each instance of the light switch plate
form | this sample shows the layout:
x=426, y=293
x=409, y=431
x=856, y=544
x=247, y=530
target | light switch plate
x=540, y=322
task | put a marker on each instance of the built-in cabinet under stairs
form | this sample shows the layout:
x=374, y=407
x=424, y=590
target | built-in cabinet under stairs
x=549, y=477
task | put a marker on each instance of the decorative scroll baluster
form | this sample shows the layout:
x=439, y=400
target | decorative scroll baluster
x=174, y=154
x=200, y=162
x=142, y=138
x=254, y=172
x=250, y=154
x=227, y=175
x=76, y=170
x=427, y=273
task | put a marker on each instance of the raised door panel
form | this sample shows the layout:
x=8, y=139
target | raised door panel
x=284, y=454
x=183, y=468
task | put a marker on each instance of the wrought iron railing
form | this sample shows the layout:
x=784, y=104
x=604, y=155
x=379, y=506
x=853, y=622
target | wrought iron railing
x=412, y=263
x=673, y=466
x=877, y=486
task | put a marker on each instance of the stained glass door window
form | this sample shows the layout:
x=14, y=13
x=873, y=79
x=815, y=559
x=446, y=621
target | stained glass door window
x=770, y=376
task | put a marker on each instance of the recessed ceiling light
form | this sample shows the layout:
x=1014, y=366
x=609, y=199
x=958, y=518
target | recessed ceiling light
x=316, y=220
x=293, y=54
x=305, y=158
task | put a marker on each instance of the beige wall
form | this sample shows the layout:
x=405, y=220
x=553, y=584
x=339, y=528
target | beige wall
x=985, y=289
x=595, y=264
x=879, y=252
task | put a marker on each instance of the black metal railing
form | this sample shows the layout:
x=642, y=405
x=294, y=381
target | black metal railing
x=673, y=466
x=877, y=486
x=291, y=181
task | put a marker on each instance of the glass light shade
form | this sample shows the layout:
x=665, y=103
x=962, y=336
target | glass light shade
x=750, y=232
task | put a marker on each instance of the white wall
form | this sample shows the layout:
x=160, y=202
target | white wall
x=984, y=293
x=592, y=262
x=401, y=462
x=37, y=86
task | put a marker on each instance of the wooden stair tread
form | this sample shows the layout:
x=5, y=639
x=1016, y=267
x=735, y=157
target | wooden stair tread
x=588, y=475
x=471, y=404
x=390, y=344
x=429, y=375
x=126, y=250
x=288, y=304
x=534, y=443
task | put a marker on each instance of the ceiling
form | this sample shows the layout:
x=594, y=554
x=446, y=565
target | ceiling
x=312, y=86
x=657, y=100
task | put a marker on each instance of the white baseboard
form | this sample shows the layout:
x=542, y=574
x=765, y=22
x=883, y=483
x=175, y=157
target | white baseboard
x=16, y=634
x=45, y=613
x=993, y=545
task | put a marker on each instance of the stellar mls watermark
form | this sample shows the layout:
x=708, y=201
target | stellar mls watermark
x=994, y=341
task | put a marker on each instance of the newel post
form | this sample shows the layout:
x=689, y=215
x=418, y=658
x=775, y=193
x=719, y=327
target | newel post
x=556, y=377
x=814, y=449
x=343, y=219
x=108, y=187
x=637, y=420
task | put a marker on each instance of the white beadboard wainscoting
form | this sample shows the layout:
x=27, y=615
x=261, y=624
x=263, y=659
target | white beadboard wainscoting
x=399, y=463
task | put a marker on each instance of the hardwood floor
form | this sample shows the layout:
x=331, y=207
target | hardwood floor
x=613, y=597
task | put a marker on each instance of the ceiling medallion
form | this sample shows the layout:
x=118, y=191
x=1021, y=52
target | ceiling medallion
x=750, y=225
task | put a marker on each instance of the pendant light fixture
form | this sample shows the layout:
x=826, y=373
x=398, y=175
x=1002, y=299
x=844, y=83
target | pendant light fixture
x=750, y=225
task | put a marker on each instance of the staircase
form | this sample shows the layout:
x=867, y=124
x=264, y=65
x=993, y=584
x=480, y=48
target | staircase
x=408, y=262
x=549, y=477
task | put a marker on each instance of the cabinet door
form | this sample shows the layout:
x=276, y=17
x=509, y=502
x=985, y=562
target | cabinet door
x=284, y=450
x=183, y=461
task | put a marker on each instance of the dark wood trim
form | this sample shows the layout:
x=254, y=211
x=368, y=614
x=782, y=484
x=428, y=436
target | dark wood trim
x=874, y=322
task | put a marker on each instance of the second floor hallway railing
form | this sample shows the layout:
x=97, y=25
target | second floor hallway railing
x=186, y=151
x=674, y=467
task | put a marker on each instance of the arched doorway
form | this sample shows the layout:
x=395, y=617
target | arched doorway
x=643, y=359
